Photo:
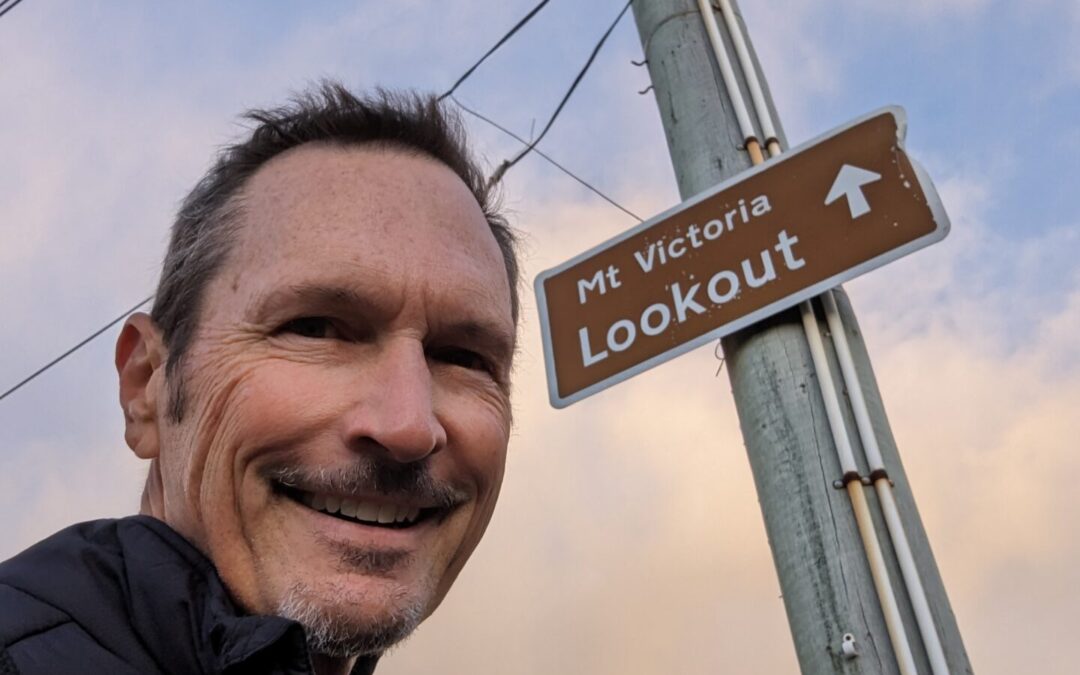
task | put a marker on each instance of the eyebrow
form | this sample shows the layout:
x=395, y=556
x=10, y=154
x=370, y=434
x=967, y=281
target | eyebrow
x=488, y=334
x=319, y=297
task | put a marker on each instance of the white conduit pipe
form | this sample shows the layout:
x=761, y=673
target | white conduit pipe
x=879, y=572
x=910, y=573
x=894, y=623
x=742, y=115
x=756, y=93
x=828, y=392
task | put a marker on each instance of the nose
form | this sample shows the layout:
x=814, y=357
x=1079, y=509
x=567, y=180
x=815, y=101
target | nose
x=397, y=409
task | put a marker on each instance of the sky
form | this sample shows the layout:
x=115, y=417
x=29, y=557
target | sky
x=628, y=538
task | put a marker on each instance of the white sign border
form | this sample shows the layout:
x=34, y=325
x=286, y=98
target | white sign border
x=937, y=211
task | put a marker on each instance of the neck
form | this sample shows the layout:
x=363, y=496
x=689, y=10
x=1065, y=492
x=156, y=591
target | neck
x=152, y=502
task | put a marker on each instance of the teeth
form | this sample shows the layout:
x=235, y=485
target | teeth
x=387, y=513
x=361, y=510
x=348, y=508
x=333, y=504
x=368, y=511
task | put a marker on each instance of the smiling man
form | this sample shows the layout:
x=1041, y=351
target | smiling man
x=322, y=392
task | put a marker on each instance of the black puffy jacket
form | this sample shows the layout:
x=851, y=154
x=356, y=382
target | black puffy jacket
x=133, y=597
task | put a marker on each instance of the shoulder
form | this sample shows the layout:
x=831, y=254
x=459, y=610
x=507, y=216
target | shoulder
x=23, y=616
x=42, y=590
x=26, y=608
x=39, y=639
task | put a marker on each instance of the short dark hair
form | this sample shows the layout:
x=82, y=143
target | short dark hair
x=206, y=223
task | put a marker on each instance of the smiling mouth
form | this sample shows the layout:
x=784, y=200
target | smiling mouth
x=360, y=511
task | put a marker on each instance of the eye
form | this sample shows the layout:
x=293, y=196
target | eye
x=463, y=358
x=315, y=327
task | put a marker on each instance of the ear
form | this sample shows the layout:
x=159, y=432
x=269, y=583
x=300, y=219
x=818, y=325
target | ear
x=140, y=363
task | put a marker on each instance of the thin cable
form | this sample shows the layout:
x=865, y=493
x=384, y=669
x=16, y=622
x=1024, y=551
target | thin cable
x=508, y=164
x=554, y=163
x=3, y=11
x=74, y=349
x=528, y=17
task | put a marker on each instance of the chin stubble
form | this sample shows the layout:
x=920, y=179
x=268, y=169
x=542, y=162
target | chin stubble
x=331, y=629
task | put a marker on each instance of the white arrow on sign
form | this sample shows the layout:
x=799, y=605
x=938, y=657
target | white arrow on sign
x=849, y=184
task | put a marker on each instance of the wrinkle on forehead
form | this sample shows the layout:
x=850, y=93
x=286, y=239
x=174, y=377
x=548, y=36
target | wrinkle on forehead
x=411, y=206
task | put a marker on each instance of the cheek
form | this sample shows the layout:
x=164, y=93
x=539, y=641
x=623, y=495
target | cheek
x=218, y=409
x=478, y=436
x=478, y=430
x=196, y=453
x=477, y=452
x=236, y=403
x=282, y=403
x=268, y=404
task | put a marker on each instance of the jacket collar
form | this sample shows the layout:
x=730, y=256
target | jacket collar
x=137, y=576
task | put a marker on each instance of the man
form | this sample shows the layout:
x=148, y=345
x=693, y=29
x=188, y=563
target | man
x=322, y=390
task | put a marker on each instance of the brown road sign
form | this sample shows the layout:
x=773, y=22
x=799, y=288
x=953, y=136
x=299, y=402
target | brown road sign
x=844, y=203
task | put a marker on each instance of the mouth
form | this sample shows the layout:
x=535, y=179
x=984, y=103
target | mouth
x=363, y=511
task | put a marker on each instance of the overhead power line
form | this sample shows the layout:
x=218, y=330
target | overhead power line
x=508, y=164
x=524, y=20
x=449, y=93
x=554, y=163
x=74, y=349
x=6, y=6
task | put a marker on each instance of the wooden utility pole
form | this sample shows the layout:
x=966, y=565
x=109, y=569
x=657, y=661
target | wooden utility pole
x=824, y=575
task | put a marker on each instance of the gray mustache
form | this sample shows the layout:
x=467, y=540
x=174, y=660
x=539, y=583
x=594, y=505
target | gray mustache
x=371, y=475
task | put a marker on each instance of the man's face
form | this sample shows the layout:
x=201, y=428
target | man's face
x=353, y=354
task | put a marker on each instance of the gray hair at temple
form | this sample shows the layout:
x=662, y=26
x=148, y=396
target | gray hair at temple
x=206, y=224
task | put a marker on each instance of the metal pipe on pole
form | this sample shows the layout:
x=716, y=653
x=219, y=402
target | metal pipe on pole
x=827, y=586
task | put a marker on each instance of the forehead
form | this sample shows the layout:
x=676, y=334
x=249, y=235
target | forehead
x=374, y=214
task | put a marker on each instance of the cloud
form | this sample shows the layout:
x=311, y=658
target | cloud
x=628, y=538
x=921, y=10
x=1071, y=51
